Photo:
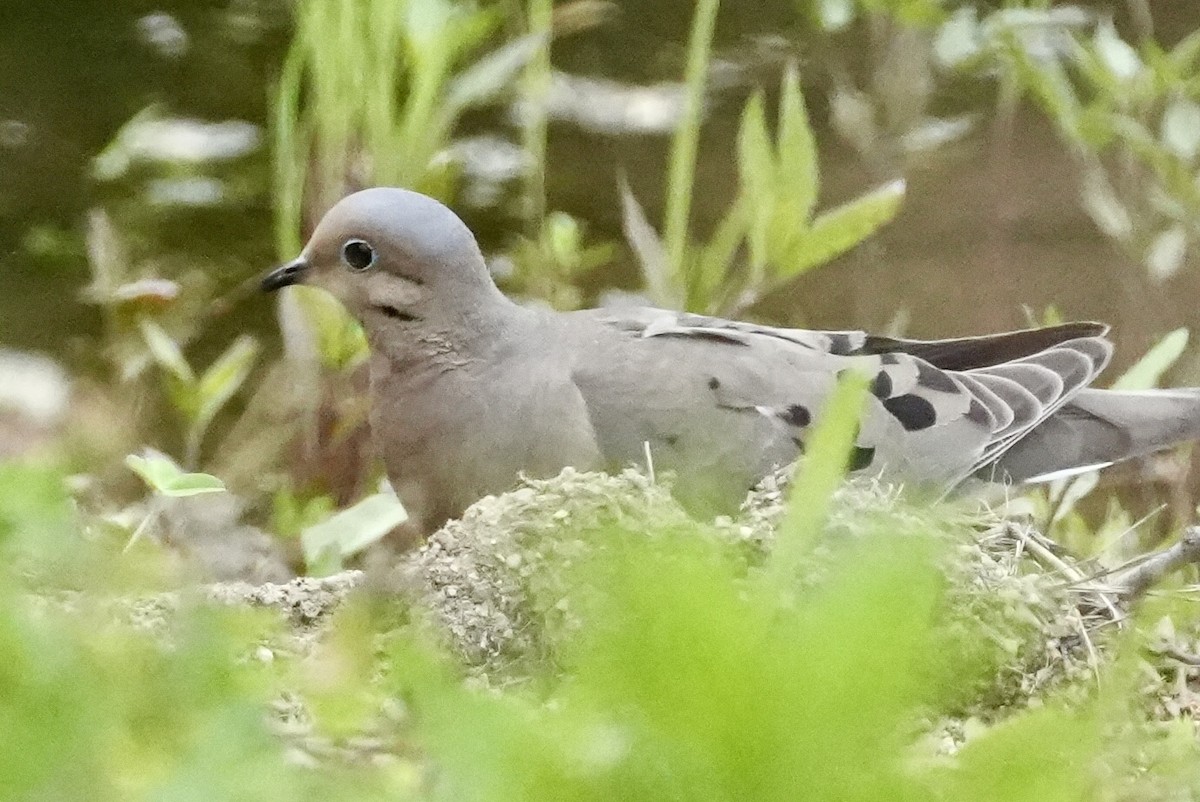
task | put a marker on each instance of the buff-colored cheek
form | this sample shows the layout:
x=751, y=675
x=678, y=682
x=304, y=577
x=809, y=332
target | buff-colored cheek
x=387, y=290
x=334, y=282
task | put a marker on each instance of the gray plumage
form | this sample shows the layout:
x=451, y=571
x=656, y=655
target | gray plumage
x=471, y=389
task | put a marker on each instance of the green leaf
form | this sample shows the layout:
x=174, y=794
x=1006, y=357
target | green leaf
x=564, y=239
x=1184, y=55
x=827, y=454
x=756, y=162
x=1055, y=748
x=166, y=478
x=649, y=249
x=225, y=376
x=1147, y=372
x=193, y=484
x=166, y=351
x=327, y=544
x=756, y=169
x=1053, y=89
x=838, y=230
x=715, y=259
x=340, y=341
x=799, y=177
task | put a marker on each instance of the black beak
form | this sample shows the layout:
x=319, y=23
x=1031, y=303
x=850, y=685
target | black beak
x=285, y=275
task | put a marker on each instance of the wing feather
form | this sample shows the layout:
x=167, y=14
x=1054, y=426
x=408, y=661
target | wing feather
x=942, y=409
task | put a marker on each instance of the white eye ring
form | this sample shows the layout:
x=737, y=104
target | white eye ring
x=358, y=255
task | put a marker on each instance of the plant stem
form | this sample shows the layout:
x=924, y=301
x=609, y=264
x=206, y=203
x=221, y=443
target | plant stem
x=536, y=86
x=682, y=170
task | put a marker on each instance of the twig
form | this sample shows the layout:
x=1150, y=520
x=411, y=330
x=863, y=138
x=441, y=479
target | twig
x=1151, y=571
x=1033, y=542
x=649, y=461
x=1175, y=654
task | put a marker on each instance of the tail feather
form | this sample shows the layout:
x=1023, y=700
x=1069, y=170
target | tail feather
x=1100, y=427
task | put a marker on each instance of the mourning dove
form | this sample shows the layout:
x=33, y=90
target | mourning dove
x=470, y=389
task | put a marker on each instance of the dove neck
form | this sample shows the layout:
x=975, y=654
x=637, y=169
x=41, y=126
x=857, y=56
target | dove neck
x=475, y=328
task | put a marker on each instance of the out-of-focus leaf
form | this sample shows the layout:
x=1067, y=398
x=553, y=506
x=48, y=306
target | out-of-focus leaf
x=838, y=230
x=958, y=38
x=854, y=118
x=799, y=178
x=225, y=376
x=35, y=507
x=827, y=455
x=1184, y=55
x=1166, y=253
x=427, y=24
x=832, y=15
x=291, y=514
x=1181, y=128
x=147, y=292
x=756, y=163
x=563, y=237
x=1050, y=84
x=350, y=531
x=648, y=247
x=166, y=351
x=1118, y=56
x=756, y=170
x=917, y=13
x=1104, y=207
x=1069, y=491
x=339, y=339
x=488, y=77
x=936, y=132
x=714, y=260
x=1147, y=372
x=166, y=478
x=1061, y=740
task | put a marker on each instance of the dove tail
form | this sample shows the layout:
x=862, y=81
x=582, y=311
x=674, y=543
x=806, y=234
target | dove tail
x=1100, y=427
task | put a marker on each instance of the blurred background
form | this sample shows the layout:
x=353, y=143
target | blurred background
x=908, y=166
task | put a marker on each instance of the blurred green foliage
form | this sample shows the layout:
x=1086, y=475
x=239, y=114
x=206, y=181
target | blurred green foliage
x=772, y=218
x=370, y=93
x=693, y=679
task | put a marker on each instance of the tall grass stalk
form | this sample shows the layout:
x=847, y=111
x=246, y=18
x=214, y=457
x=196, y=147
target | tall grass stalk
x=371, y=92
x=818, y=476
x=536, y=86
x=682, y=170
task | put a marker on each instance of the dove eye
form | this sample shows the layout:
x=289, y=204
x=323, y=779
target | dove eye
x=358, y=255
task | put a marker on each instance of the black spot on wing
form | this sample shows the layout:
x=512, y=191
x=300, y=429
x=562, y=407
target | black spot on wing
x=861, y=457
x=796, y=415
x=913, y=411
x=714, y=383
x=881, y=385
x=934, y=379
x=841, y=344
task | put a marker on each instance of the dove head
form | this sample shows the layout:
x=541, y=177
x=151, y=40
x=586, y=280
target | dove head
x=396, y=259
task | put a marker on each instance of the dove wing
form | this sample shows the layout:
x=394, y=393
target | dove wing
x=733, y=399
